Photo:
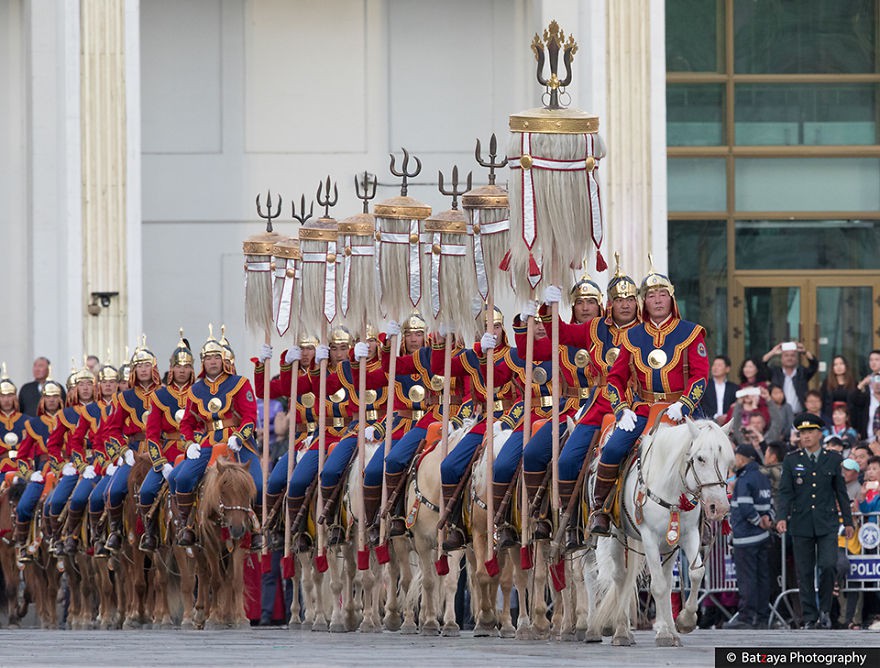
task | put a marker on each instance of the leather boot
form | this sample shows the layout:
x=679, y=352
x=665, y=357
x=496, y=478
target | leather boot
x=273, y=529
x=302, y=540
x=72, y=529
x=96, y=530
x=392, y=481
x=53, y=527
x=329, y=507
x=572, y=534
x=506, y=533
x=150, y=539
x=600, y=522
x=372, y=500
x=22, y=529
x=257, y=540
x=114, y=540
x=186, y=537
x=455, y=536
x=534, y=480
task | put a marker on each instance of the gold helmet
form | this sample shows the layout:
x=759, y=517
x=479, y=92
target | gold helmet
x=84, y=373
x=6, y=385
x=497, y=316
x=307, y=341
x=143, y=354
x=182, y=355
x=229, y=354
x=372, y=334
x=51, y=387
x=212, y=346
x=586, y=288
x=108, y=372
x=339, y=335
x=654, y=280
x=71, y=377
x=621, y=285
x=124, y=372
x=414, y=323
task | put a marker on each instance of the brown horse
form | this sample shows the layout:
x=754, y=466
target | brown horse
x=224, y=519
x=172, y=578
x=133, y=565
x=41, y=576
x=15, y=608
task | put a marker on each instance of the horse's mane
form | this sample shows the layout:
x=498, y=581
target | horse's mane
x=664, y=452
x=227, y=480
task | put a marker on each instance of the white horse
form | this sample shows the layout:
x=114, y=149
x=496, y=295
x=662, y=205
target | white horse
x=689, y=460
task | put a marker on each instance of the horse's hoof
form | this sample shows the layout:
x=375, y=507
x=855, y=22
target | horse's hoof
x=294, y=626
x=580, y=635
x=686, y=622
x=507, y=631
x=305, y=626
x=668, y=640
x=187, y=625
x=392, y=621
x=485, y=630
x=430, y=628
x=130, y=624
x=450, y=630
x=240, y=625
x=607, y=631
x=320, y=627
x=409, y=629
x=591, y=635
x=567, y=636
x=541, y=633
x=525, y=633
x=213, y=625
x=623, y=641
x=368, y=627
x=337, y=627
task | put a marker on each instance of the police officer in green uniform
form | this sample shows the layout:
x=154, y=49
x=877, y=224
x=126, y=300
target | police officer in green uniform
x=812, y=499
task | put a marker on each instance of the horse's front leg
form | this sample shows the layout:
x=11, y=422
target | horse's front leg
x=661, y=588
x=690, y=550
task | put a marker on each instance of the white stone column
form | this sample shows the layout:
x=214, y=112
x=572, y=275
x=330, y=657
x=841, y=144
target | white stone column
x=104, y=172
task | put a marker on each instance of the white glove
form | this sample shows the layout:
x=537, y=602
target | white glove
x=166, y=470
x=322, y=353
x=393, y=328
x=361, y=350
x=68, y=469
x=293, y=354
x=129, y=457
x=36, y=476
x=674, y=412
x=13, y=454
x=487, y=341
x=17, y=480
x=370, y=434
x=233, y=443
x=89, y=473
x=193, y=451
x=265, y=352
x=530, y=309
x=627, y=420
x=111, y=469
x=552, y=294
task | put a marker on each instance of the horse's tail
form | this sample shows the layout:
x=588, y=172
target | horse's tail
x=613, y=605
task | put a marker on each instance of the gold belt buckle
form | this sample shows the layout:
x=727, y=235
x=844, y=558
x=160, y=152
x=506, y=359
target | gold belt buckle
x=546, y=402
x=218, y=425
x=311, y=426
x=417, y=415
x=372, y=415
x=584, y=392
x=338, y=423
x=497, y=405
x=659, y=396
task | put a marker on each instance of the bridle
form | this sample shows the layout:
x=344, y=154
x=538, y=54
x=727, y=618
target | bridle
x=221, y=513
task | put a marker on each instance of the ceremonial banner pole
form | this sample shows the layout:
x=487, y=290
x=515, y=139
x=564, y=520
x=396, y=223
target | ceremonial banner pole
x=288, y=294
x=318, y=244
x=488, y=218
x=398, y=244
x=555, y=206
x=359, y=302
x=258, y=317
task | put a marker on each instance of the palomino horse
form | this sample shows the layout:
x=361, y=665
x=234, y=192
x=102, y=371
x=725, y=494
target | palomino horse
x=15, y=608
x=225, y=518
x=677, y=467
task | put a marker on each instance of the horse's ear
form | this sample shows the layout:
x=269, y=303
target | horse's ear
x=727, y=428
x=220, y=464
x=692, y=428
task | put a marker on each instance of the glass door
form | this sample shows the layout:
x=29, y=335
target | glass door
x=845, y=324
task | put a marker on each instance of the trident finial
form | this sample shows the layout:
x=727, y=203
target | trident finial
x=404, y=173
x=324, y=199
x=554, y=38
x=491, y=164
x=455, y=192
x=303, y=216
x=269, y=216
x=365, y=188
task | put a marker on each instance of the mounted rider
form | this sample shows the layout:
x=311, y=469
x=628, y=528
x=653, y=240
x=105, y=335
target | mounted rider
x=664, y=361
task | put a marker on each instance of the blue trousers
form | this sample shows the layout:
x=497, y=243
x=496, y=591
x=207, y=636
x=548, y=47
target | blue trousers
x=573, y=452
x=98, y=497
x=374, y=470
x=305, y=471
x=24, y=511
x=453, y=468
x=150, y=487
x=118, y=486
x=81, y=492
x=538, y=452
x=192, y=470
x=278, y=477
x=61, y=494
x=508, y=459
x=620, y=442
x=399, y=457
x=337, y=461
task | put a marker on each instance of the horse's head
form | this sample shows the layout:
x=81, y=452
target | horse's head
x=139, y=471
x=226, y=496
x=710, y=457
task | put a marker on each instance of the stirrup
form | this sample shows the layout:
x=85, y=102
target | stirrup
x=543, y=529
x=302, y=542
x=506, y=537
x=397, y=527
x=455, y=539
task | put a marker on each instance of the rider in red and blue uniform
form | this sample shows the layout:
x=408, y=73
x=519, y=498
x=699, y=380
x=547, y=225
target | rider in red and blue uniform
x=662, y=360
x=12, y=423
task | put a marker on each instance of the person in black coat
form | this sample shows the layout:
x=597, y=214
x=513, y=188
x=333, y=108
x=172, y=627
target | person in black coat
x=812, y=499
x=790, y=367
x=719, y=373
x=30, y=393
